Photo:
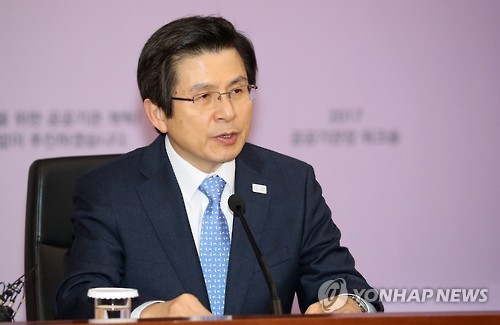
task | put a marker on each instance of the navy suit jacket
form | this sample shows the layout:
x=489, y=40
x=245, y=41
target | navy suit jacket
x=131, y=230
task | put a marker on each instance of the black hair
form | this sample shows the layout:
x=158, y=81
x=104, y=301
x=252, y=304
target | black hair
x=156, y=74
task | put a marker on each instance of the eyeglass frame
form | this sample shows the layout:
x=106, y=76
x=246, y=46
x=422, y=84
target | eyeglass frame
x=228, y=93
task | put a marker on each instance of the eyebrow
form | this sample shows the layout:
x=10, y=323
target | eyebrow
x=204, y=85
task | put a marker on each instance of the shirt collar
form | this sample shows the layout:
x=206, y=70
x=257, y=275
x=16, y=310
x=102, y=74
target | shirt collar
x=190, y=177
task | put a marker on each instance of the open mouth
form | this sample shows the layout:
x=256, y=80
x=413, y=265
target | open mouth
x=227, y=138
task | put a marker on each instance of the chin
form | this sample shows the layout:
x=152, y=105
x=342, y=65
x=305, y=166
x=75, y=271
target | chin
x=228, y=156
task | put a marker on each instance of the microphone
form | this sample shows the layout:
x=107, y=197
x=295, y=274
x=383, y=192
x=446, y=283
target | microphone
x=237, y=205
x=7, y=300
x=9, y=295
x=6, y=314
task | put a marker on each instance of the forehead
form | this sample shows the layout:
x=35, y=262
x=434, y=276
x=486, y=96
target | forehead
x=210, y=69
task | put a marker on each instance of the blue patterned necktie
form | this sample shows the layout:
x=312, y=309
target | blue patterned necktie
x=215, y=244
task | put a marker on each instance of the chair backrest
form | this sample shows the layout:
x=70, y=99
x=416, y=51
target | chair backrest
x=48, y=235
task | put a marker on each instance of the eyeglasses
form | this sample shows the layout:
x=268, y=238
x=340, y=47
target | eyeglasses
x=238, y=95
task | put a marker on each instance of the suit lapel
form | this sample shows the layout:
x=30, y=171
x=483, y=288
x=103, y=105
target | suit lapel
x=249, y=171
x=164, y=205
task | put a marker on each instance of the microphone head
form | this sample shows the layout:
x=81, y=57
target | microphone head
x=237, y=204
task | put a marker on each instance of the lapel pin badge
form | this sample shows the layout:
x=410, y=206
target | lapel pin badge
x=258, y=188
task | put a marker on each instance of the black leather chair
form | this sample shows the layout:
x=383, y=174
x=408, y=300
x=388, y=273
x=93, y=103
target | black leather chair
x=48, y=234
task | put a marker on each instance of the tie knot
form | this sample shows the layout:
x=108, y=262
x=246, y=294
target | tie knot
x=212, y=187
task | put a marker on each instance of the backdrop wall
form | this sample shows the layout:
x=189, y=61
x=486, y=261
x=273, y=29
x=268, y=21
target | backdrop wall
x=395, y=103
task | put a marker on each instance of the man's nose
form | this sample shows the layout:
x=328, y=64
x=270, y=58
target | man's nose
x=225, y=107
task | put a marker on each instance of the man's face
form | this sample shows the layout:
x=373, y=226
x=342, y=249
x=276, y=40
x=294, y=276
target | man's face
x=208, y=136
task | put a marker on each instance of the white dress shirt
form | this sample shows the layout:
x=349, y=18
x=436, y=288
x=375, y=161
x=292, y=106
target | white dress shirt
x=189, y=178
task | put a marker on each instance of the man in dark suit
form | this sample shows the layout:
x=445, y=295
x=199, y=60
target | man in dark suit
x=144, y=221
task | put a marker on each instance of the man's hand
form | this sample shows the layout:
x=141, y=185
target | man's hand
x=186, y=305
x=337, y=304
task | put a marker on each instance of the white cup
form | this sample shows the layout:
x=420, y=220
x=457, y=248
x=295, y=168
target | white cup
x=112, y=302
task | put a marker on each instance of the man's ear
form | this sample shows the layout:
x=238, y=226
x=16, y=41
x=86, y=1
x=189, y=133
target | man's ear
x=156, y=115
